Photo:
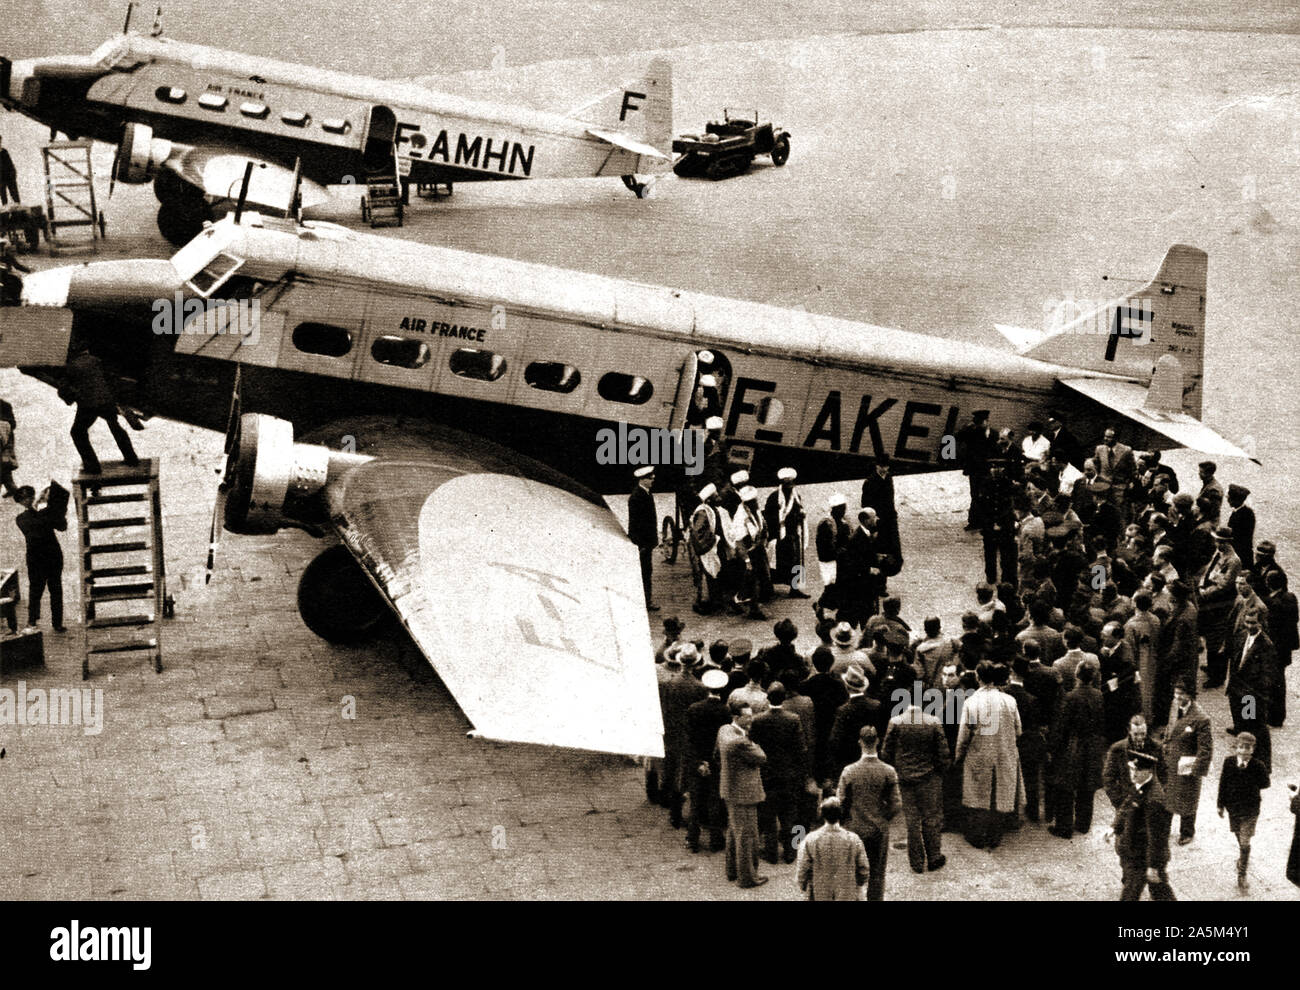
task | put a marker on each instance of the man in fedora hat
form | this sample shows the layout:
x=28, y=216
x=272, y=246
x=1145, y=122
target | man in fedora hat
x=1188, y=749
x=850, y=717
x=787, y=533
x=676, y=695
x=643, y=527
x=975, y=443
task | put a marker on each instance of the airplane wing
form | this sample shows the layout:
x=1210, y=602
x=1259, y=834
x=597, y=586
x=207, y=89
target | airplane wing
x=524, y=597
x=219, y=171
x=1133, y=401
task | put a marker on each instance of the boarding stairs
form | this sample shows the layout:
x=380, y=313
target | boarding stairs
x=123, y=579
x=382, y=205
x=73, y=222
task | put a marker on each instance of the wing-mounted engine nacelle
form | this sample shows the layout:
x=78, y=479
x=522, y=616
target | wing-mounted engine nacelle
x=272, y=482
x=140, y=155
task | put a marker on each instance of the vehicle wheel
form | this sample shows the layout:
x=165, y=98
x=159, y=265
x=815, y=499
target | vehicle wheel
x=672, y=536
x=168, y=186
x=181, y=220
x=336, y=599
x=781, y=152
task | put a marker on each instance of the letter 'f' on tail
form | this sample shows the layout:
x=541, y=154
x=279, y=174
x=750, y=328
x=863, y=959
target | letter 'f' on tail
x=1128, y=336
x=641, y=110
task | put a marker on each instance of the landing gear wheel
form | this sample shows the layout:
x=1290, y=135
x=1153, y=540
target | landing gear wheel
x=671, y=538
x=336, y=599
x=168, y=186
x=181, y=220
x=781, y=152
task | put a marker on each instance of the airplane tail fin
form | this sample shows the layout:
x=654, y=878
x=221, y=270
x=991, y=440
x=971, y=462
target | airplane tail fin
x=641, y=110
x=1128, y=336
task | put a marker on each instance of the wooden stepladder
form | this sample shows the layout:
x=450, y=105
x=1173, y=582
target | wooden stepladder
x=70, y=198
x=123, y=577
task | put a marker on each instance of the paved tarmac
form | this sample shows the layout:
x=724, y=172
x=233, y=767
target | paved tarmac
x=234, y=773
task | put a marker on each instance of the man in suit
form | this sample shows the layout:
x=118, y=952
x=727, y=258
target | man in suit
x=704, y=719
x=1032, y=744
x=878, y=494
x=1142, y=834
x=1118, y=681
x=741, y=785
x=779, y=734
x=38, y=524
x=868, y=793
x=1117, y=467
x=1115, y=773
x=1077, y=754
x=86, y=384
x=1253, y=669
x=832, y=860
x=643, y=527
x=676, y=695
x=1216, y=589
x=859, y=575
x=827, y=693
x=832, y=535
x=997, y=518
x=1180, y=650
x=1242, y=523
x=850, y=717
x=787, y=531
x=1065, y=445
x=1188, y=748
x=916, y=748
x=975, y=443
x=1242, y=778
x=1284, y=631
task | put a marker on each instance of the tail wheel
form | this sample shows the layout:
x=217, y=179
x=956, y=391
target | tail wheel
x=670, y=539
x=781, y=152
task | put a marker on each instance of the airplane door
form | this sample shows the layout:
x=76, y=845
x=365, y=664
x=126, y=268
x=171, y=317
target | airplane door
x=685, y=389
x=381, y=136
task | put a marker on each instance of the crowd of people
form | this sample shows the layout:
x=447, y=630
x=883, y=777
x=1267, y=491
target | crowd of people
x=1114, y=601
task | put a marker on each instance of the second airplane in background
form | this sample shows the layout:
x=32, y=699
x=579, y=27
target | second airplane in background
x=191, y=118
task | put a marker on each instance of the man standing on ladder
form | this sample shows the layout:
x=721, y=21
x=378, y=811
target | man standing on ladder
x=87, y=386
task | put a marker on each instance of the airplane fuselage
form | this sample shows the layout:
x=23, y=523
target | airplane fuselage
x=542, y=361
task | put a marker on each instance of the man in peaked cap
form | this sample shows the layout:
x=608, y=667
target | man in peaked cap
x=643, y=527
x=1142, y=833
x=787, y=534
x=975, y=442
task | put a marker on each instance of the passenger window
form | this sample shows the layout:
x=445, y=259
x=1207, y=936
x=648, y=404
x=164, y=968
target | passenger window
x=211, y=101
x=296, y=118
x=400, y=352
x=257, y=111
x=336, y=126
x=552, y=376
x=769, y=411
x=323, y=339
x=632, y=389
x=170, y=94
x=469, y=362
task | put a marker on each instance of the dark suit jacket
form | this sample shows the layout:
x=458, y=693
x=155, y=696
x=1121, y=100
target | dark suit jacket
x=703, y=720
x=1114, y=774
x=915, y=746
x=1046, y=689
x=740, y=780
x=856, y=562
x=1242, y=524
x=850, y=717
x=1254, y=675
x=1031, y=743
x=780, y=735
x=1142, y=827
x=1081, y=740
x=827, y=693
x=642, y=524
x=1239, y=789
x=878, y=494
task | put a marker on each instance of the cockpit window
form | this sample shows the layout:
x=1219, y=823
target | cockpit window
x=214, y=274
